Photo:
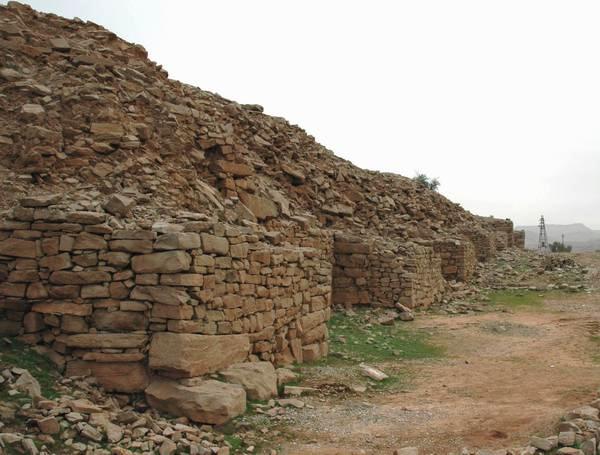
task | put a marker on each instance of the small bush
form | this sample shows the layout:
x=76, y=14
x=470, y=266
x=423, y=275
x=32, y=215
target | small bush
x=428, y=182
x=559, y=247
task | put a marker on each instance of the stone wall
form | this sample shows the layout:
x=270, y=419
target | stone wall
x=118, y=302
x=484, y=242
x=384, y=272
x=458, y=258
x=519, y=239
x=504, y=231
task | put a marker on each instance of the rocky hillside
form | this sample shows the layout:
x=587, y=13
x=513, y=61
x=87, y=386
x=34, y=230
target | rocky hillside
x=88, y=114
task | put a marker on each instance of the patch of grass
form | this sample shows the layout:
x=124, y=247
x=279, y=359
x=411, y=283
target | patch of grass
x=19, y=355
x=354, y=339
x=596, y=354
x=234, y=442
x=516, y=298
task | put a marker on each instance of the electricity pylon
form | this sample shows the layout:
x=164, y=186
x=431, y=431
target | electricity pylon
x=543, y=246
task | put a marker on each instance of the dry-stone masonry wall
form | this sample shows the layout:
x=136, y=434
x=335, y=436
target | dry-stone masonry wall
x=458, y=258
x=385, y=272
x=519, y=239
x=180, y=300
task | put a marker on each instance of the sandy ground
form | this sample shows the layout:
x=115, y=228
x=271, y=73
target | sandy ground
x=505, y=377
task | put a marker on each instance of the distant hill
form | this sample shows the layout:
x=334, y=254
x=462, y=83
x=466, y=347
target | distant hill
x=578, y=235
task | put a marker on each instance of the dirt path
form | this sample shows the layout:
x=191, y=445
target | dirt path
x=505, y=377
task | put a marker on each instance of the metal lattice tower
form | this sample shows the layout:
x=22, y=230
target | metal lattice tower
x=543, y=246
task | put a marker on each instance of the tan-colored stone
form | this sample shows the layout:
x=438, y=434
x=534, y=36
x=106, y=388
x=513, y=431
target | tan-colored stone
x=188, y=355
x=211, y=402
x=106, y=340
x=76, y=309
x=178, y=241
x=132, y=245
x=257, y=378
x=214, y=244
x=33, y=322
x=161, y=294
x=18, y=248
x=165, y=262
x=40, y=201
x=261, y=207
x=87, y=241
x=182, y=279
x=13, y=289
x=126, y=377
x=172, y=311
x=119, y=204
x=119, y=321
x=85, y=277
x=58, y=262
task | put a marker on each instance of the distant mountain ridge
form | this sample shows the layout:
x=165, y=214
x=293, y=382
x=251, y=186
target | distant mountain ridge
x=578, y=235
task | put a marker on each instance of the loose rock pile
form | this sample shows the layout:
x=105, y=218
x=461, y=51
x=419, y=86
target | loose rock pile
x=577, y=434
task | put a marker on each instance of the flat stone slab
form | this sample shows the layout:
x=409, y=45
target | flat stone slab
x=211, y=402
x=185, y=355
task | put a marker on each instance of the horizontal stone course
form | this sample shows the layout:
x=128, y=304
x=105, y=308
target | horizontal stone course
x=99, y=297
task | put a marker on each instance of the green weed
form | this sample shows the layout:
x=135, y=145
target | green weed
x=354, y=339
x=16, y=354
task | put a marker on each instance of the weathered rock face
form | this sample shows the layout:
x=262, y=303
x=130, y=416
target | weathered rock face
x=184, y=355
x=258, y=379
x=210, y=401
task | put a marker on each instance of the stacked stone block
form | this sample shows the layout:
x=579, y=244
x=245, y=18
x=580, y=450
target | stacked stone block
x=382, y=272
x=99, y=299
x=422, y=280
x=458, y=258
x=483, y=240
x=519, y=239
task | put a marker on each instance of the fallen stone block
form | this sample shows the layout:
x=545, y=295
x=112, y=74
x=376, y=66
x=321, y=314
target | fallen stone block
x=258, y=379
x=211, y=402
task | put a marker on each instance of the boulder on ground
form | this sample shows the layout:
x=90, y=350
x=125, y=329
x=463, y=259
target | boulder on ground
x=258, y=379
x=211, y=402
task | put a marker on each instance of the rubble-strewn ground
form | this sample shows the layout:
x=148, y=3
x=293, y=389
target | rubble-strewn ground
x=506, y=367
x=501, y=363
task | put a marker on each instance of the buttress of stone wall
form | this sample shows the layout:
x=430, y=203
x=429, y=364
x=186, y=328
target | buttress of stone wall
x=382, y=272
x=351, y=271
x=504, y=231
x=180, y=300
x=458, y=258
x=519, y=239
x=422, y=280
x=483, y=240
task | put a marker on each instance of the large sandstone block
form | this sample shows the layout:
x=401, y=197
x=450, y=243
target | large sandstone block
x=165, y=262
x=213, y=244
x=40, y=201
x=89, y=277
x=75, y=309
x=178, y=241
x=125, y=377
x=211, y=402
x=258, y=379
x=261, y=207
x=184, y=355
x=119, y=321
x=18, y=248
x=87, y=241
x=106, y=340
x=161, y=294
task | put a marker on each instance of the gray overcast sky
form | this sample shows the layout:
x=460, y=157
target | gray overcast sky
x=500, y=100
